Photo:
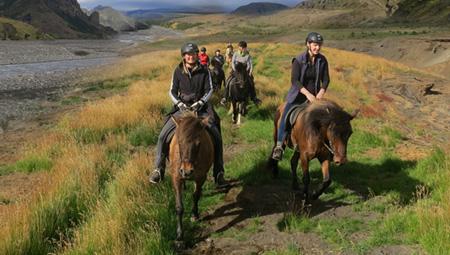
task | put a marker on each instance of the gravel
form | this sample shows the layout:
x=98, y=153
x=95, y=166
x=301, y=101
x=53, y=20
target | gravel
x=34, y=72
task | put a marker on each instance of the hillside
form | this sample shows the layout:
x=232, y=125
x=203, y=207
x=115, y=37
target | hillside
x=259, y=8
x=426, y=12
x=114, y=19
x=59, y=18
x=94, y=197
x=15, y=30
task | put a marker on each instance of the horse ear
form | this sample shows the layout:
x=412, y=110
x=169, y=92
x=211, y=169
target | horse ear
x=354, y=113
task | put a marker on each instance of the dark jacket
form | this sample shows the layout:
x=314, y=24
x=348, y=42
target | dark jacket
x=299, y=65
x=190, y=86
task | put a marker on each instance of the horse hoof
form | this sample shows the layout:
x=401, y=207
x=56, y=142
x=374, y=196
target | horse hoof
x=179, y=245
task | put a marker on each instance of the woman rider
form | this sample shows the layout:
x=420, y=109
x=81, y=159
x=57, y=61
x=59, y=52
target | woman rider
x=309, y=80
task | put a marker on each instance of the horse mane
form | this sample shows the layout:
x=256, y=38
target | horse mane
x=322, y=113
x=241, y=67
x=189, y=126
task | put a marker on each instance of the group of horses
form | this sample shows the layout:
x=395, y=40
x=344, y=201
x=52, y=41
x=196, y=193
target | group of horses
x=320, y=130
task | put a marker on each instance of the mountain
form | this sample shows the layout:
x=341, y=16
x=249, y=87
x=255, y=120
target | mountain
x=116, y=20
x=59, y=18
x=423, y=11
x=259, y=8
x=355, y=12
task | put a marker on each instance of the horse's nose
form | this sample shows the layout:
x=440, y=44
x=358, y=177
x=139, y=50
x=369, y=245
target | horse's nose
x=185, y=173
x=340, y=160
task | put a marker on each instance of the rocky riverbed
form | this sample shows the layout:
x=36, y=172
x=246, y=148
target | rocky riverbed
x=35, y=72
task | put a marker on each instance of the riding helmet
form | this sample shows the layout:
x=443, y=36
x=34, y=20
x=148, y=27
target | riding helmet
x=189, y=48
x=243, y=44
x=203, y=49
x=314, y=37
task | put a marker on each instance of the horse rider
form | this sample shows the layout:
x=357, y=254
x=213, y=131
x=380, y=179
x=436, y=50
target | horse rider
x=309, y=82
x=242, y=56
x=229, y=53
x=219, y=59
x=204, y=58
x=191, y=88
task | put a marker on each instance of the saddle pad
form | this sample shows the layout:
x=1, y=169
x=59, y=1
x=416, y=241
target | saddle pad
x=294, y=112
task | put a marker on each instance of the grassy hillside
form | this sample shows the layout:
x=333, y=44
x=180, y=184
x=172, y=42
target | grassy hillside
x=96, y=198
x=434, y=12
x=15, y=30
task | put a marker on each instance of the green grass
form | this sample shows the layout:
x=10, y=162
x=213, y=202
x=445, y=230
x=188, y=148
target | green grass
x=31, y=164
x=143, y=135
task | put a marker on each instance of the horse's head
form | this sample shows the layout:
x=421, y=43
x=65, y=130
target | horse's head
x=338, y=133
x=189, y=132
x=241, y=73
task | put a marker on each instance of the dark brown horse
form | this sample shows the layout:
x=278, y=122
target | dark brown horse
x=217, y=75
x=191, y=156
x=320, y=131
x=239, y=87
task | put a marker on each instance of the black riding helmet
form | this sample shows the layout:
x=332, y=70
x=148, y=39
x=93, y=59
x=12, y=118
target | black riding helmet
x=203, y=49
x=314, y=37
x=242, y=44
x=189, y=48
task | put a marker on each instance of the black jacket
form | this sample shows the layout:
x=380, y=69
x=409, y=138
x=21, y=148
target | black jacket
x=299, y=65
x=190, y=86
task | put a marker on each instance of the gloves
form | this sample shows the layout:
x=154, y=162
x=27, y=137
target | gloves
x=182, y=106
x=197, y=105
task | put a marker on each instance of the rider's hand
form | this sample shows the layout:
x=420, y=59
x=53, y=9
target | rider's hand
x=182, y=106
x=311, y=98
x=320, y=94
x=197, y=105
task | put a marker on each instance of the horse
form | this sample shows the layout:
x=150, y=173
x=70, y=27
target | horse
x=238, y=85
x=321, y=131
x=191, y=156
x=217, y=75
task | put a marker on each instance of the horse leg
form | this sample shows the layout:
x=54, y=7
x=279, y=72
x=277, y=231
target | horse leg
x=326, y=181
x=234, y=114
x=306, y=179
x=196, y=197
x=239, y=113
x=179, y=209
x=294, y=164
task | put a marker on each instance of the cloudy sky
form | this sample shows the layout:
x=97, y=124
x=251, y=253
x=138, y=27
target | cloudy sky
x=152, y=4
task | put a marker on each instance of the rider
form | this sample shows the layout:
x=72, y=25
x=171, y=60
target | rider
x=204, y=58
x=218, y=58
x=191, y=88
x=309, y=79
x=242, y=56
x=229, y=53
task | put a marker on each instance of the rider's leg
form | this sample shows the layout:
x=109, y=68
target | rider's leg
x=278, y=150
x=162, y=150
x=214, y=130
x=253, y=90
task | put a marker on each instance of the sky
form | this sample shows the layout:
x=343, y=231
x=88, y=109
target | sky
x=153, y=4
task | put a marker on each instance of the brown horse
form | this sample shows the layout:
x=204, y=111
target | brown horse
x=191, y=156
x=320, y=131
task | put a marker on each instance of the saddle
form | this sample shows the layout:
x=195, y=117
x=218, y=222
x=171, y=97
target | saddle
x=291, y=117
